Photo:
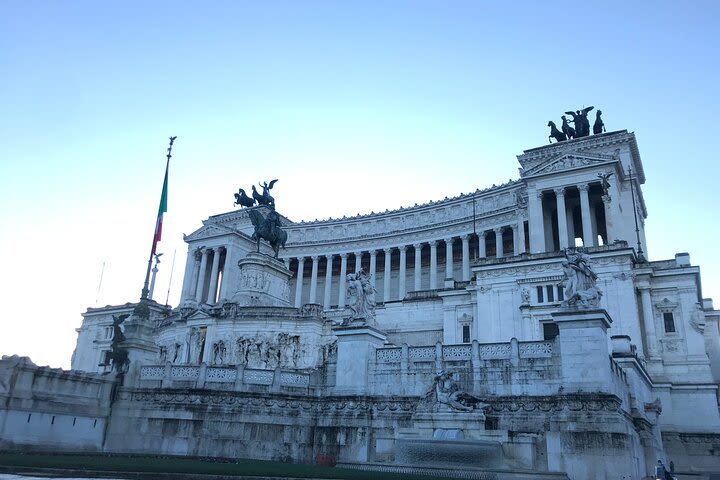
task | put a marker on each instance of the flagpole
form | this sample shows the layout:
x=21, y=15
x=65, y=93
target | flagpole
x=158, y=224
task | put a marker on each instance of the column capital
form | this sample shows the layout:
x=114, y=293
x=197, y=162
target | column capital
x=482, y=233
x=402, y=248
x=343, y=256
x=387, y=251
x=583, y=187
x=465, y=237
x=539, y=194
x=559, y=191
x=198, y=254
x=498, y=230
x=449, y=240
x=206, y=251
x=314, y=258
x=357, y=254
x=417, y=246
x=329, y=257
x=373, y=253
x=301, y=259
x=514, y=227
x=433, y=243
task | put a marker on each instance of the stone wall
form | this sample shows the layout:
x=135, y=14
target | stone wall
x=52, y=409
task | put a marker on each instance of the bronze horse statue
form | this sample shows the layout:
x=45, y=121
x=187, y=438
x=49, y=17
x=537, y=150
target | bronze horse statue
x=268, y=229
x=555, y=133
x=243, y=200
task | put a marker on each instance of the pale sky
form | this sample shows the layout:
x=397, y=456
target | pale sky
x=353, y=106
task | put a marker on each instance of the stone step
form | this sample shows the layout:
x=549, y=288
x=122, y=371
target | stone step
x=459, y=472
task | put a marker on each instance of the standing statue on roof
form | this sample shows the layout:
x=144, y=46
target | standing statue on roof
x=265, y=198
x=599, y=125
x=579, y=119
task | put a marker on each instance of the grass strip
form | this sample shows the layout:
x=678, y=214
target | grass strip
x=191, y=465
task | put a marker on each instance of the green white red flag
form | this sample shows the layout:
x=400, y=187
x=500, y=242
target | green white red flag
x=161, y=210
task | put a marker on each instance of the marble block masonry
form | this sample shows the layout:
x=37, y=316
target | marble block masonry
x=516, y=330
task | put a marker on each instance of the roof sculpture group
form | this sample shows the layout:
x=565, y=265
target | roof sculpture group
x=580, y=128
x=268, y=227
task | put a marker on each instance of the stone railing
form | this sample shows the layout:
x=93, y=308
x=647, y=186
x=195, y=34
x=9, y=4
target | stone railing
x=463, y=352
x=512, y=367
x=222, y=377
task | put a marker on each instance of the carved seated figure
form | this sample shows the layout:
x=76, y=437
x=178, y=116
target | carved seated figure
x=449, y=394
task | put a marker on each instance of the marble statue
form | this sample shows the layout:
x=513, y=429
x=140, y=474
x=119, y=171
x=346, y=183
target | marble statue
x=361, y=296
x=448, y=394
x=219, y=352
x=580, y=288
x=524, y=296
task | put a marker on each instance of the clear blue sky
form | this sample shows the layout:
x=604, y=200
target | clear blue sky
x=354, y=106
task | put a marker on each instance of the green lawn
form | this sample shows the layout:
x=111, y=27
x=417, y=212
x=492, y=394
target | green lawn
x=138, y=463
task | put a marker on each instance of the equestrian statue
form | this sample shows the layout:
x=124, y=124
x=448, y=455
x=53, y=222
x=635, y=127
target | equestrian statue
x=268, y=229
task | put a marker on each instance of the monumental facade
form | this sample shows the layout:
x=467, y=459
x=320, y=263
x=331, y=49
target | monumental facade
x=517, y=328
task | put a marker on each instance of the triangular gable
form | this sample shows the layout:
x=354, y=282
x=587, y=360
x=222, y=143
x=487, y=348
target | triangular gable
x=565, y=162
x=207, y=231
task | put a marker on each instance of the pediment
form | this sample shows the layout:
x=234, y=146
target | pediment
x=207, y=231
x=566, y=162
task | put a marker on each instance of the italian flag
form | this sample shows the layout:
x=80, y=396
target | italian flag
x=161, y=210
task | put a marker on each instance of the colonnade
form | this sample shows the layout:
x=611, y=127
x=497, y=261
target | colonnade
x=206, y=275
x=434, y=278
x=541, y=223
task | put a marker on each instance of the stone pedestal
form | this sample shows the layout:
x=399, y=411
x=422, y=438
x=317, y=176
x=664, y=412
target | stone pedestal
x=584, y=349
x=356, y=345
x=140, y=345
x=263, y=281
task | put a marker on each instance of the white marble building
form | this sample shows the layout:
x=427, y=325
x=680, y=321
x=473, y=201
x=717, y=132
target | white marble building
x=470, y=285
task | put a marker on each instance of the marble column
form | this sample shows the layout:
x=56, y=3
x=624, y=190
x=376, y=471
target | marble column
x=417, y=248
x=373, y=266
x=521, y=235
x=536, y=222
x=648, y=322
x=358, y=261
x=465, y=258
x=386, y=277
x=299, y=282
x=403, y=273
x=192, y=288
x=516, y=239
x=449, y=259
x=313, y=280
x=499, y=243
x=433, y=265
x=328, y=281
x=482, y=250
x=214, y=274
x=562, y=217
x=201, y=276
x=343, y=275
x=588, y=240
